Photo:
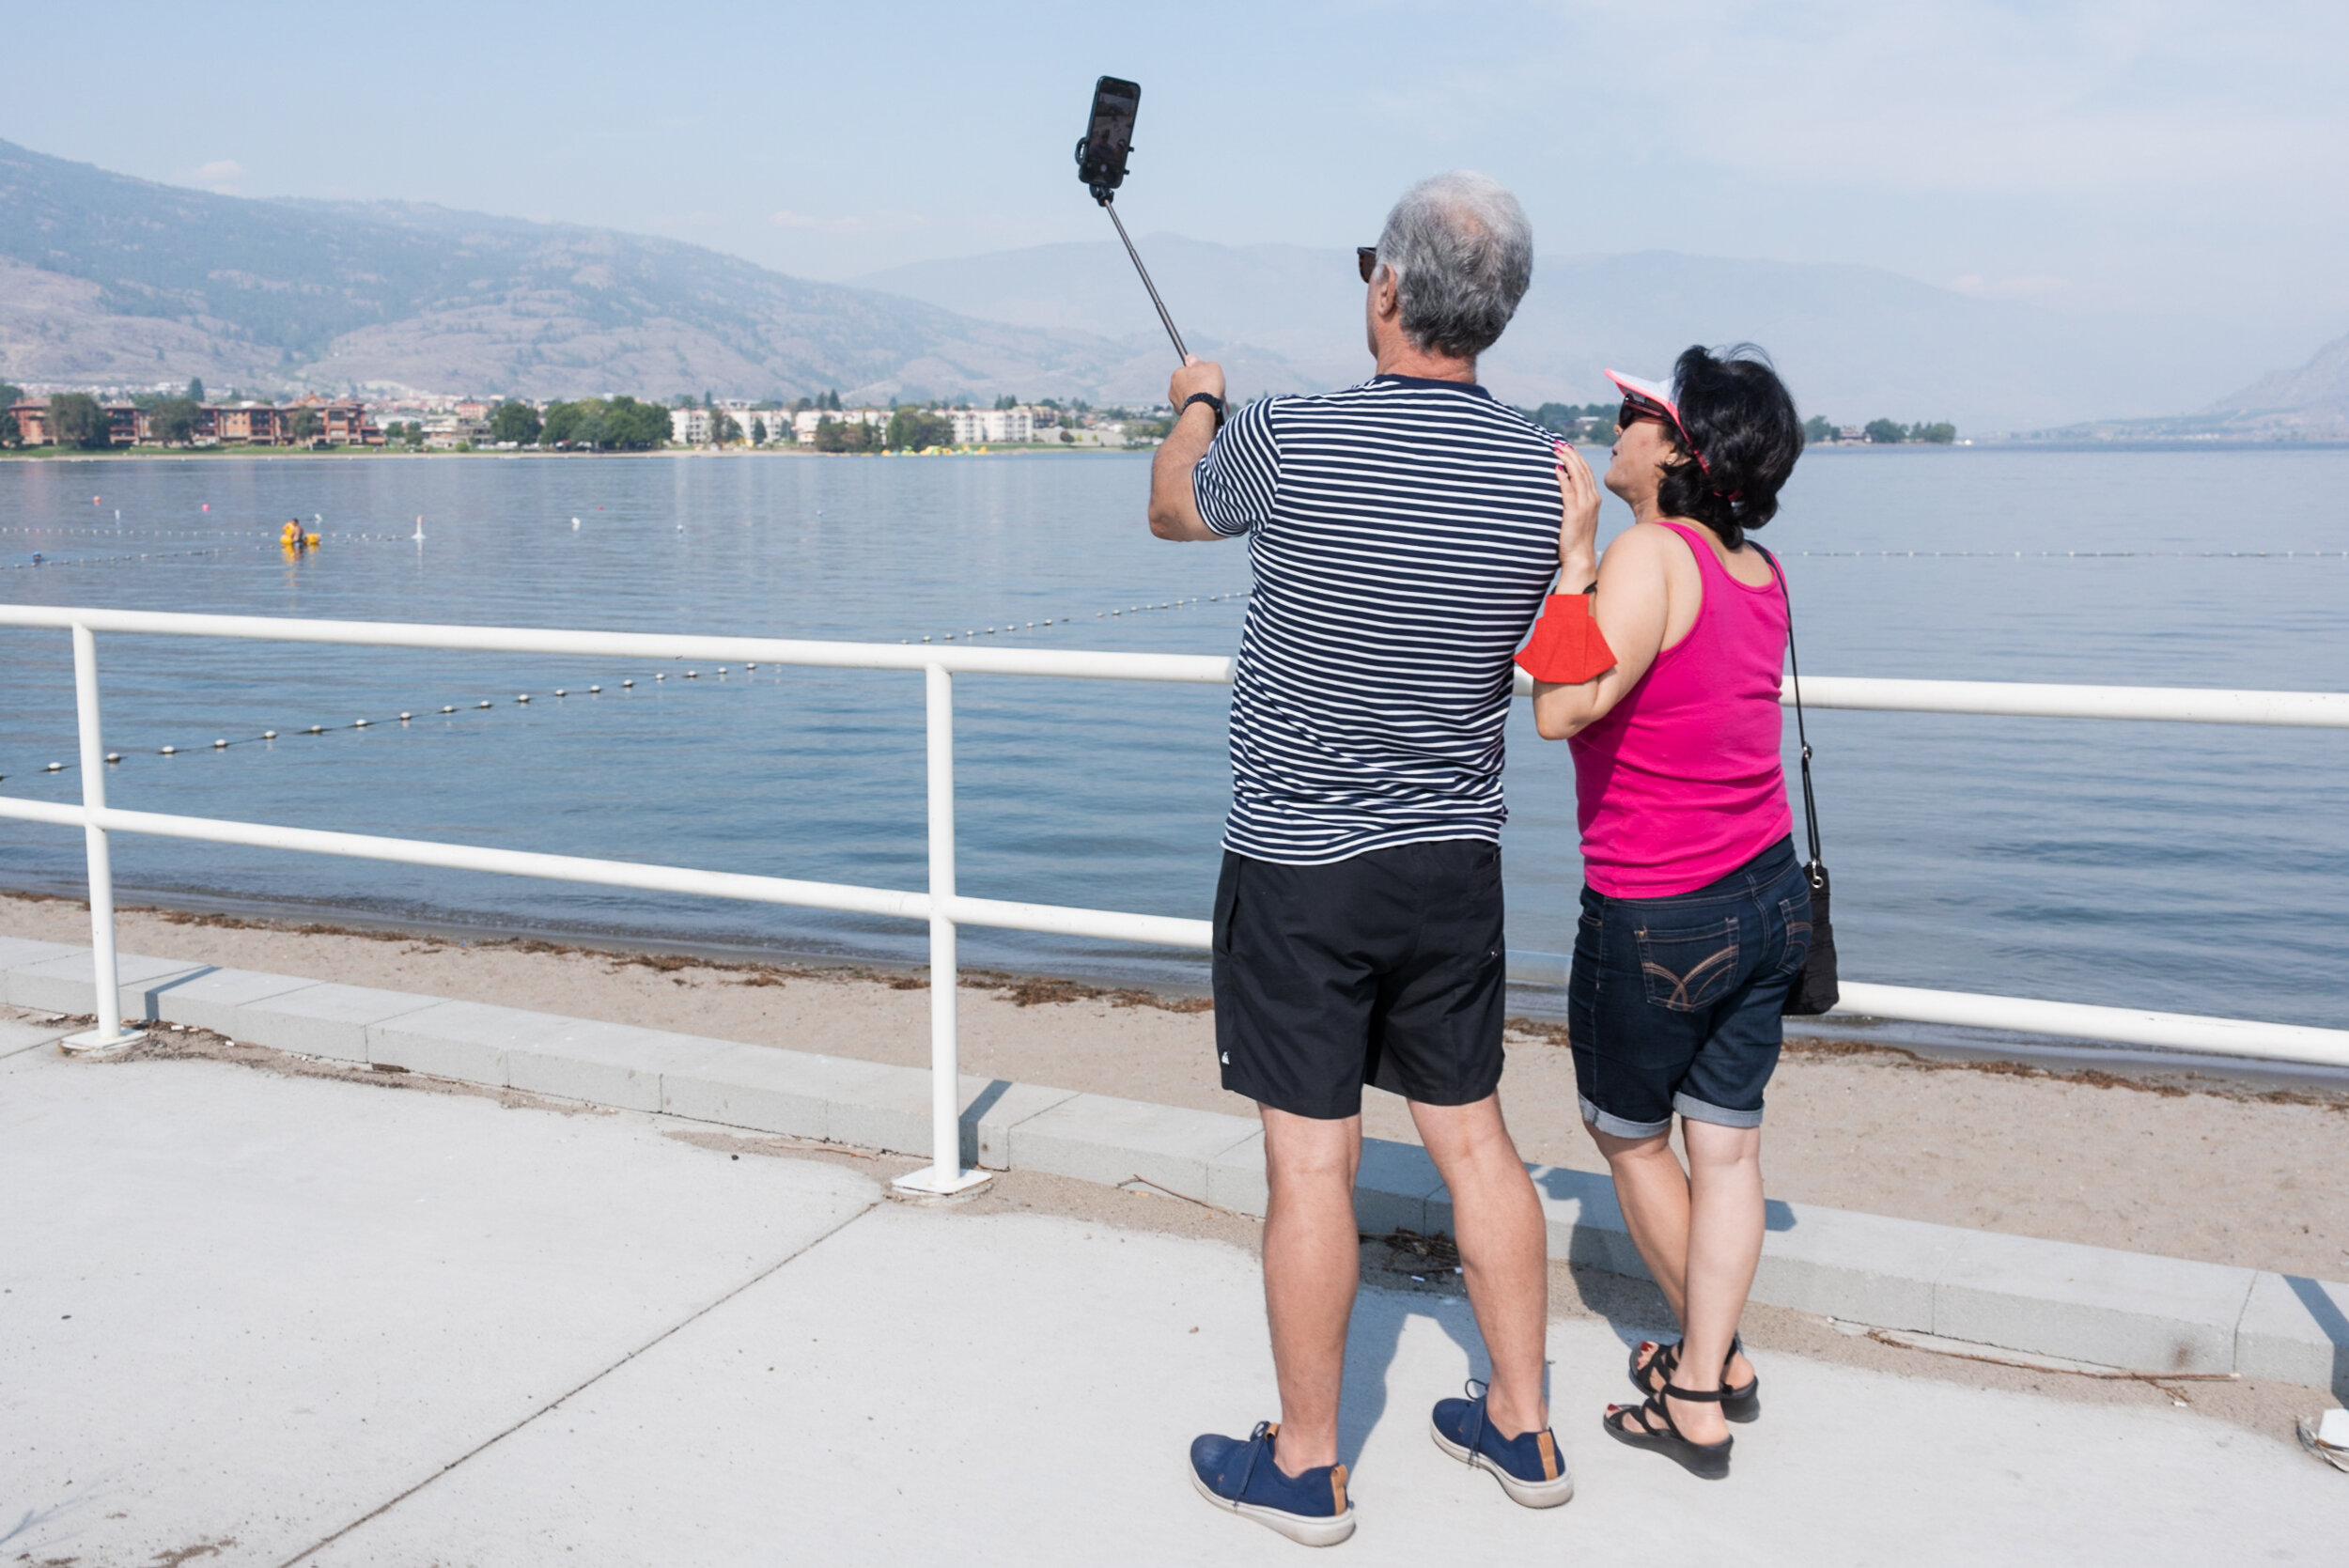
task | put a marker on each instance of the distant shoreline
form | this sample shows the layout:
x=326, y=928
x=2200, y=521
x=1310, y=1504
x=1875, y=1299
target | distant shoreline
x=352, y=454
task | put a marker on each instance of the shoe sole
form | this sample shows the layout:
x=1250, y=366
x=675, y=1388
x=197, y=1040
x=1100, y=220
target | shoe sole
x=1526, y=1494
x=1705, y=1463
x=1299, y=1527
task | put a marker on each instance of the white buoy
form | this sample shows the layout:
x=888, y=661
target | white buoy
x=523, y=698
x=693, y=674
x=59, y=766
x=219, y=745
x=405, y=717
x=269, y=735
x=574, y=523
x=171, y=751
x=593, y=690
x=662, y=676
x=722, y=669
x=114, y=756
x=448, y=707
x=359, y=723
x=317, y=729
x=485, y=701
x=627, y=683
x=560, y=692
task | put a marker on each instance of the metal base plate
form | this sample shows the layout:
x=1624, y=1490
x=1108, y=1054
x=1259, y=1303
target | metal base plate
x=97, y=1042
x=926, y=1183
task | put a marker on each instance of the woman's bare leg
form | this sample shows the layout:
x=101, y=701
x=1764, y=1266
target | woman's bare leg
x=1724, y=1249
x=1657, y=1200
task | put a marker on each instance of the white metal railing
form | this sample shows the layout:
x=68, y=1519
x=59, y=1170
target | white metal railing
x=946, y=910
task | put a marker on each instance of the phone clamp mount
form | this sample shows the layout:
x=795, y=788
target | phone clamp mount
x=1101, y=165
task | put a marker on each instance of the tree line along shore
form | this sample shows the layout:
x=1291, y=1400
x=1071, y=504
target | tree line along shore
x=80, y=422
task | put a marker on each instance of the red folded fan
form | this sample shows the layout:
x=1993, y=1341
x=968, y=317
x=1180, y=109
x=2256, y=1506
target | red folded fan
x=1566, y=648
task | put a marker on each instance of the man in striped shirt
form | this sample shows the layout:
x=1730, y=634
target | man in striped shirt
x=1403, y=533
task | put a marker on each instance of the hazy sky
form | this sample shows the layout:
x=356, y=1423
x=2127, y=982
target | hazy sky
x=2186, y=159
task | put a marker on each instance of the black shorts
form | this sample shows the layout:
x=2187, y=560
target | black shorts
x=1387, y=969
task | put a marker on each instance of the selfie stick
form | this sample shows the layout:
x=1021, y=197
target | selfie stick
x=1109, y=207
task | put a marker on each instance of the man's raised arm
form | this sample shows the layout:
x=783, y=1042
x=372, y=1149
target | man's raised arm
x=1173, y=504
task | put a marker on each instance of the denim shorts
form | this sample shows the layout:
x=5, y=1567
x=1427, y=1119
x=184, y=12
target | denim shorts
x=1674, y=1004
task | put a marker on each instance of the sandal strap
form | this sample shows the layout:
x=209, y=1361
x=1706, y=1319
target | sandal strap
x=1660, y=1366
x=1696, y=1396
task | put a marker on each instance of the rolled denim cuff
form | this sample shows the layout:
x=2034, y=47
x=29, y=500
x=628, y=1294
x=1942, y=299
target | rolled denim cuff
x=1617, y=1127
x=1697, y=1111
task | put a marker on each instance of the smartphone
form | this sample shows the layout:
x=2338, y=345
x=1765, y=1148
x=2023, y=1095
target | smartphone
x=1109, y=135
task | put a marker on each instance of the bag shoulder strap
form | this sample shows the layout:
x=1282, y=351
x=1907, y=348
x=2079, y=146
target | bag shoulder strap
x=1810, y=802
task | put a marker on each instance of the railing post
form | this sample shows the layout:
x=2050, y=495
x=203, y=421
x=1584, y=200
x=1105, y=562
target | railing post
x=945, y=1174
x=109, y=1034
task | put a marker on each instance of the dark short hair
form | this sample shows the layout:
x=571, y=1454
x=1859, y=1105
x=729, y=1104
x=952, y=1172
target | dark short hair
x=1742, y=418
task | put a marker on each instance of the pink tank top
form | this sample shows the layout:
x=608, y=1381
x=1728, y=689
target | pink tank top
x=1681, y=783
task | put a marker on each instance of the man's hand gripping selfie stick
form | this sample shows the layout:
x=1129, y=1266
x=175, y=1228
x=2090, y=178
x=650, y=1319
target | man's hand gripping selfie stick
x=1101, y=164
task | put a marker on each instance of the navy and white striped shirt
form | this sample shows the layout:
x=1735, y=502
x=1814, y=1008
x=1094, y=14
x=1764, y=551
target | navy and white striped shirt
x=1403, y=533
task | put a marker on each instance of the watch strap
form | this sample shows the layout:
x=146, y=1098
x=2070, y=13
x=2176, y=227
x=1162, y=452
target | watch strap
x=1209, y=398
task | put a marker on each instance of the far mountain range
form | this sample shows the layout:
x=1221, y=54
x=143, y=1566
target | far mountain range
x=108, y=279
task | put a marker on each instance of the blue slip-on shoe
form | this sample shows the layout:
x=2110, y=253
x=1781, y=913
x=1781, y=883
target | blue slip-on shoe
x=1527, y=1466
x=1239, y=1474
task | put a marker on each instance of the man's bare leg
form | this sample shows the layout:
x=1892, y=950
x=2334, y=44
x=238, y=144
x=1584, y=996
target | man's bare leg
x=1505, y=1252
x=1312, y=1264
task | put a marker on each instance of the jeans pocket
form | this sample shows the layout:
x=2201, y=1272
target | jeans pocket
x=1796, y=913
x=1688, y=967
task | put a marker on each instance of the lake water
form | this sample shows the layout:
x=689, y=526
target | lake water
x=2190, y=868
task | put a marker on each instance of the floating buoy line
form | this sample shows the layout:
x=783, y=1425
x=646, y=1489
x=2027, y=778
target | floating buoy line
x=75, y=533
x=43, y=561
x=723, y=674
x=1010, y=627
x=2080, y=554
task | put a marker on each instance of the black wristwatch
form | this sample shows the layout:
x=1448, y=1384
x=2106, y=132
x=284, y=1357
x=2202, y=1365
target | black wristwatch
x=1208, y=398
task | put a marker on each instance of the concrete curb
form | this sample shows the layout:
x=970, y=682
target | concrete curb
x=2096, y=1304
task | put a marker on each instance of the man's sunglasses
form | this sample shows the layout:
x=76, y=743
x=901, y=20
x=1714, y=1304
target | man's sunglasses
x=1366, y=258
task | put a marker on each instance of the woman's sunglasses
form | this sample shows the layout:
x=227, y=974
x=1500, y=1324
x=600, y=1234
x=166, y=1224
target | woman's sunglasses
x=1634, y=411
x=1366, y=258
x=1637, y=408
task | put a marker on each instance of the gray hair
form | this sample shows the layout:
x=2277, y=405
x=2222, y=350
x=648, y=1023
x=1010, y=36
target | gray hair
x=1462, y=255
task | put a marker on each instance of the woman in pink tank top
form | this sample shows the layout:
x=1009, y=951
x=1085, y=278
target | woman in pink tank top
x=1696, y=916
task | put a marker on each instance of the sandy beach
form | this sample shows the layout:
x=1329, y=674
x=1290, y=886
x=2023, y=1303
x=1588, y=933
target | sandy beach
x=2184, y=1168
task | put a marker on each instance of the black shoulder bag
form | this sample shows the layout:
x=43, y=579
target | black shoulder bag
x=1813, y=991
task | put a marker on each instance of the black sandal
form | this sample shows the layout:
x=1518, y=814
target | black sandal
x=1741, y=1404
x=1708, y=1461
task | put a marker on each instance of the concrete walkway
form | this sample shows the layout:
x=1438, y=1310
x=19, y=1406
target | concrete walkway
x=257, y=1319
